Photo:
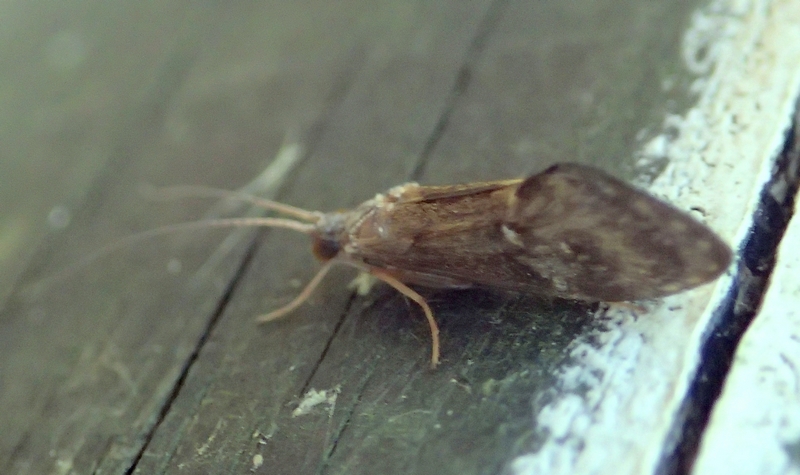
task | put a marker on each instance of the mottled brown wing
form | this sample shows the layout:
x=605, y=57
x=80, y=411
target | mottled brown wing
x=571, y=231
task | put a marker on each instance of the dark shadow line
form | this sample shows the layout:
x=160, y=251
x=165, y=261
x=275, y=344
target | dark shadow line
x=130, y=133
x=328, y=344
x=477, y=45
x=333, y=443
x=335, y=96
x=736, y=313
x=462, y=81
x=222, y=304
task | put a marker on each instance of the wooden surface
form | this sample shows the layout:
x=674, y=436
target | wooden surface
x=148, y=360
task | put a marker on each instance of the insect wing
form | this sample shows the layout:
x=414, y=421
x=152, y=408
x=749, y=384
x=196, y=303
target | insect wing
x=571, y=231
x=443, y=236
x=594, y=237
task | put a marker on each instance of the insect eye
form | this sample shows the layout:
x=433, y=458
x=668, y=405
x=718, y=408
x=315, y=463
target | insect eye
x=325, y=249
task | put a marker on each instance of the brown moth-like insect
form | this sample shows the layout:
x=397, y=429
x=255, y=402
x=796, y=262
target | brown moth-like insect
x=571, y=232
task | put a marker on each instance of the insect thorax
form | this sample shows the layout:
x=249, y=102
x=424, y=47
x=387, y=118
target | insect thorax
x=337, y=232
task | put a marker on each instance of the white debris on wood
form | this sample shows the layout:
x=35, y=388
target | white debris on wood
x=258, y=461
x=314, y=398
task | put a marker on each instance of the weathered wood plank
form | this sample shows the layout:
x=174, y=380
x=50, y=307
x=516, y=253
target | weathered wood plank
x=126, y=366
x=374, y=139
x=389, y=413
x=89, y=362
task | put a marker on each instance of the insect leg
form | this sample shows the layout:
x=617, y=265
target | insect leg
x=378, y=273
x=413, y=295
x=302, y=297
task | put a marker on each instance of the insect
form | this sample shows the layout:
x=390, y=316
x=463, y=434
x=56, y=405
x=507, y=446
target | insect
x=571, y=232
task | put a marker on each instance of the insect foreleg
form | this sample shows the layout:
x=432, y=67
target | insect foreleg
x=413, y=295
x=302, y=297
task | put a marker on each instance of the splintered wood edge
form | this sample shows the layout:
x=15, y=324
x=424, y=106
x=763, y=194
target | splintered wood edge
x=618, y=400
x=755, y=425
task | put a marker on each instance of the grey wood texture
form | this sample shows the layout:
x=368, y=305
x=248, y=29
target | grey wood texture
x=125, y=367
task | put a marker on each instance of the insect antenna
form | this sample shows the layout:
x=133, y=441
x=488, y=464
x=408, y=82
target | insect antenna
x=261, y=222
x=170, y=193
